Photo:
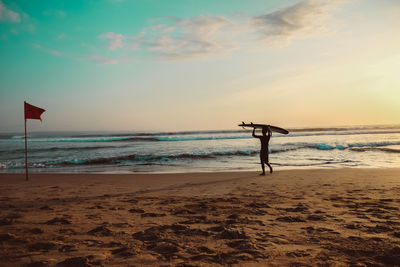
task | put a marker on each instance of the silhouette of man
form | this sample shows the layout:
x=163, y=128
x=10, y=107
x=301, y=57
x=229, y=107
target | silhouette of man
x=264, y=139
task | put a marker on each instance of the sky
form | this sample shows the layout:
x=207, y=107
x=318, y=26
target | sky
x=156, y=65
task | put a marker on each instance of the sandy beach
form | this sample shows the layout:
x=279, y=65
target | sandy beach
x=290, y=218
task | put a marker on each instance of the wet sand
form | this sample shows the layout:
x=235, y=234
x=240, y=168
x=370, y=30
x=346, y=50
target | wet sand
x=297, y=217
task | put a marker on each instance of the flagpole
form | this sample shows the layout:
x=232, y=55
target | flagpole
x=26, y=148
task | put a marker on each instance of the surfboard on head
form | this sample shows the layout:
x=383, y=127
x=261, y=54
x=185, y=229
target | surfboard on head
x=257, y=125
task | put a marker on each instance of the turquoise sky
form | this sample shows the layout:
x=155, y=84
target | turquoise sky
x=193, y=65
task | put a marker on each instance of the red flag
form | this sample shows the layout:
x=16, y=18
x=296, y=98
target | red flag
x=32, y=112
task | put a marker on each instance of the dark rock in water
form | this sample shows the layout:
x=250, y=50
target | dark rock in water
x=42, y=246
x=100, y=231
x=290, y=219
x=75, y=262
x=56, y=221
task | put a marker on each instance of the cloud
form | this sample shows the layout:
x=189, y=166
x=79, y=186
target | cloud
x=8, y=15
x=115, y=40
x=52, y=52
x=305, y=16
x=102, y=60
x=118, y=41
x=61, y=36
x=189, y=37
x=54, y=12
x=55, y=53
x=205, y=35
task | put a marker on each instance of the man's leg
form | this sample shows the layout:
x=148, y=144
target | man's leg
x=267, y=162
x=262, y=165
x=269, y=165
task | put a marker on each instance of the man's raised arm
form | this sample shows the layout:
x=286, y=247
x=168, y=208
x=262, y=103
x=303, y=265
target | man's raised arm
x=254, y=133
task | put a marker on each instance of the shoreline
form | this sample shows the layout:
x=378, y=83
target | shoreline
x=281, y=169
x=292, y=217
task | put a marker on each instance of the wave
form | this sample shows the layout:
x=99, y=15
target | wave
x=382, y=149
x=200, y=138
x=128, y=159
x=132, y=139
x=52, y=149
x=323, y=146
x=185, y=135
x=320, y=163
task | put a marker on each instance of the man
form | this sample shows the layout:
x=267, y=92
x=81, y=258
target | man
x=264, y=139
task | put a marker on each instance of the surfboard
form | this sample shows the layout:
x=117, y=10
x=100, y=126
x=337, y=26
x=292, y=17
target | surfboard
x=257, y=125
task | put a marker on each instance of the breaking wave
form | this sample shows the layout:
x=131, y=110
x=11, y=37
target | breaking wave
x=129, y=159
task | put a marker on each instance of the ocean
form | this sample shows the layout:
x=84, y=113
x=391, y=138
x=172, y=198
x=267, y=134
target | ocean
x=202, y=151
